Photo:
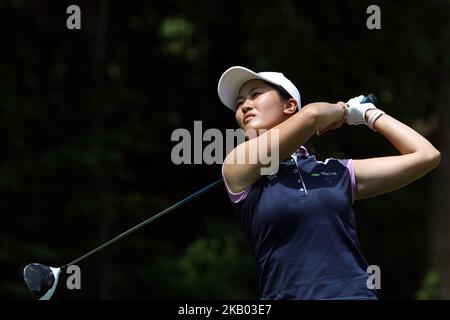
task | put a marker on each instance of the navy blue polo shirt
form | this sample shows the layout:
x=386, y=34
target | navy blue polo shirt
x=301, y=227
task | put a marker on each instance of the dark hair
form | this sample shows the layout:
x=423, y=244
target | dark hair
x=282, y=92
x=284, y=95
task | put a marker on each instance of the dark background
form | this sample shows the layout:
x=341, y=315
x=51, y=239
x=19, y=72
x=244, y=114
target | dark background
x=86, y=118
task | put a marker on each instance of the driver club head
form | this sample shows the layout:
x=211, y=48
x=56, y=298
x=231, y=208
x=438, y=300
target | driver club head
x=41, y=279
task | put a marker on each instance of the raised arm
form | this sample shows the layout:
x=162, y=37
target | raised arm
x=376, y=176
x=292, y=133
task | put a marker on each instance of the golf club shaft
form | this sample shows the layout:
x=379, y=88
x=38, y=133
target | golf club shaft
x=370, y=98
x=143, y=223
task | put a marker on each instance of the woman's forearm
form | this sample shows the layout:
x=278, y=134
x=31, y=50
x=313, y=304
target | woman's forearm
x=326, y=113
x=405, y=139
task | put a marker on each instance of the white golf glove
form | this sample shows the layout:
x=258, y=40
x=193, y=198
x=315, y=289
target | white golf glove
x=357, y=111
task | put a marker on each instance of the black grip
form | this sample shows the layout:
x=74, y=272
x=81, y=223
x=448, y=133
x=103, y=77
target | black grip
x=370, y=98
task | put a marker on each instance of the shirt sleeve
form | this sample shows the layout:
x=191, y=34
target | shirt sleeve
x=235, y=197
x=348, y=163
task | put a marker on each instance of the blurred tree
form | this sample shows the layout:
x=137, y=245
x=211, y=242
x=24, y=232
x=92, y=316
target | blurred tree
x=218, y=265
x=430, y=287
x=86, y=118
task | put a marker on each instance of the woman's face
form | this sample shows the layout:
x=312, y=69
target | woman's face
x=259, y=106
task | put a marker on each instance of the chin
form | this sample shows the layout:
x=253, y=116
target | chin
x=253, y=131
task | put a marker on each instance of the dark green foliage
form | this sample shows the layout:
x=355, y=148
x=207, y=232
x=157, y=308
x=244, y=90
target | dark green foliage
x=86, y=119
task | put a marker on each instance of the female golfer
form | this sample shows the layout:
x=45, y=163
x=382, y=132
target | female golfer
x=300, y=220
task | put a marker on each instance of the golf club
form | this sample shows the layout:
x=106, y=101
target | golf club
x=369, y=98
x=42, y=279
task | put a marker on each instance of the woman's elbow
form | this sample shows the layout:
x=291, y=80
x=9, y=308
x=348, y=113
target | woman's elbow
x=437, y=158
x=433, y=158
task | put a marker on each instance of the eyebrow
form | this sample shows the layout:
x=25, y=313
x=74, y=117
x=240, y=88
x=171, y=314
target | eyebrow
x=251, y=90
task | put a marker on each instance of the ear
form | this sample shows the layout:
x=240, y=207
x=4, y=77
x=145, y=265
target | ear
x=290, y=106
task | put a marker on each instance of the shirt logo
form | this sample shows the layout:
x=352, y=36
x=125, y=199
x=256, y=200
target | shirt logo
x=324, y=174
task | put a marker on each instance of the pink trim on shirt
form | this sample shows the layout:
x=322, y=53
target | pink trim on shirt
x=235, y=197
x=349, y=164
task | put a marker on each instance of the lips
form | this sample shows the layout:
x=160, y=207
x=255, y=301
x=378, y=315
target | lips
x=248, y=117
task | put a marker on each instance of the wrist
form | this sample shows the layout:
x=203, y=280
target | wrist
x=368, y=113
x=373, y=117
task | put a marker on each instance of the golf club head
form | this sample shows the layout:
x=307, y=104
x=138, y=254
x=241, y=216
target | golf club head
x=41, y=279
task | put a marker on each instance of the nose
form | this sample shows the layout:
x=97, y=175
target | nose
x=247, y=106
